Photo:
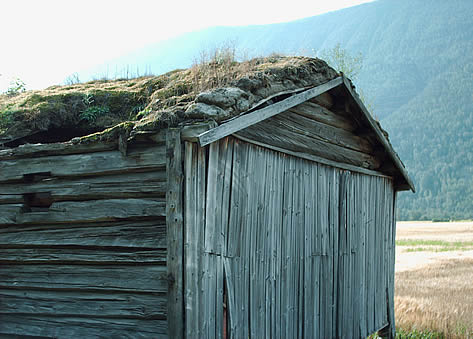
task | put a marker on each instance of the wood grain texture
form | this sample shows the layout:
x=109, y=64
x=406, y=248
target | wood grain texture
x=79, y=327
x=194, y=219
x=84, y=304
x=175, y=233
x=137, y=278
x=137, y=160
x=252, y=118
x=84, y=211
x=141, y=234
x=61, y=148
x=130, y=185
x=81, y=256
x=321, y=114
x=281, y=134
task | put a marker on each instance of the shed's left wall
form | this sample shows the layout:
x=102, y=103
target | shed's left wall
x=83, y=243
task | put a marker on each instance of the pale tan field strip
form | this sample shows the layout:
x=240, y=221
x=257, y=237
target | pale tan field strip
x=434, y=277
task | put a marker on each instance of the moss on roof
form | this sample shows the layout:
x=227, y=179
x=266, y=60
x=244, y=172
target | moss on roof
x=215, y=90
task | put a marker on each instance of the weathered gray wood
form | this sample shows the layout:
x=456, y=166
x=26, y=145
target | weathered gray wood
x=82, y=256
x=84, y=304
x=212, y=200
x=192, y=194
x=312, y=157
x=137, y=160
x=324, y=99
x=175, y=233
x=61, y=148
x=132, y=185
x=11, y=198
x=96, y=210
x=132, y=278
x=314, y=129
x=380, y=136
x=321, y=114
x=191, y=132
x=252, y=118
x=147, y=234
x=79, y=327
x=271, y=132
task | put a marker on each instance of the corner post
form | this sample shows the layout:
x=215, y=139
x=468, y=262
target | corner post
x=175, y=233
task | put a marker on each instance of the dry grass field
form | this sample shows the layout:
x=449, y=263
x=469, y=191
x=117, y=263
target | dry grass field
x=434, y=278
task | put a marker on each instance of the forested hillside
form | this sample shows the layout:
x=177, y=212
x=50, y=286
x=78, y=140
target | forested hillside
x=417, y=76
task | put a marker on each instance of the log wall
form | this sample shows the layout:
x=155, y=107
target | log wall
x=83, y=242
x=292, y=248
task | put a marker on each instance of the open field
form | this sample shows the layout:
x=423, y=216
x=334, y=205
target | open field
x=434, y=277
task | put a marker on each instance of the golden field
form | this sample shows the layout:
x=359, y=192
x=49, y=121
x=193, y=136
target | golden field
x=434, y=277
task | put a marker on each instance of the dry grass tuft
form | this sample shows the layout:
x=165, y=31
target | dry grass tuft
x=437, y=297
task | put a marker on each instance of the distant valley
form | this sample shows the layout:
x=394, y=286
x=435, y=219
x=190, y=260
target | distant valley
x=417, y=75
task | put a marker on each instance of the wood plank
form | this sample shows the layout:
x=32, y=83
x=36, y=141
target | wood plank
x=271, y=132
x=191, y=132
x=131, y=185
x=321, y=114
x=97, y=210
x=254, y=117
x=314, y=129
x=212, y=214
x=191, y=250
x=81, y=256
x=84, y=304
x=143, y=234
x=175, y=233
x=135, y=278
x=75, y=327
x=137, y=160
x=379, y=134
x=60, y=148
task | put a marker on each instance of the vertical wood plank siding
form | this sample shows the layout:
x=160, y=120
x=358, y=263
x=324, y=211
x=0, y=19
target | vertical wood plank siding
x=93, y=264
x=307, y=250
x=175, y=232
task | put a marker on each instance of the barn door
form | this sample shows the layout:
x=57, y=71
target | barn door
x=206, y=203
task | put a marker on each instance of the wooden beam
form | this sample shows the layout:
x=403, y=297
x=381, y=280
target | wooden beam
x=129, y=235
x=60, y=148
x=252, y=118
x=191, y=132
x=175, y=234
x=97, y=163
x=380, y=136
x=83, y=211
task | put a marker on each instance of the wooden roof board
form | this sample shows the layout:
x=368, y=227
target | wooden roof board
x=245, y=120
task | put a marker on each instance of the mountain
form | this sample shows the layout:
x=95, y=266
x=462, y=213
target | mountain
x=417, y=75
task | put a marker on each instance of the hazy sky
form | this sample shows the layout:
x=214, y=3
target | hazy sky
x=43, y=41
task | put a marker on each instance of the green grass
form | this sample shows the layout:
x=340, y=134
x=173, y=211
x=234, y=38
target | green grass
x=413, y=334
x=420, y=245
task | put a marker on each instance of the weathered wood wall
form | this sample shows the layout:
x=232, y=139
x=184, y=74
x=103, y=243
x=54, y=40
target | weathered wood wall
x=93, y=263
x=294, y=248
x=315, y=130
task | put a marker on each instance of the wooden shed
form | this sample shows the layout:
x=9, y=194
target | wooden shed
x=278, y=222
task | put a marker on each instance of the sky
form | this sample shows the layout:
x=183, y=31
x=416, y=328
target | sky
x=43, y=42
